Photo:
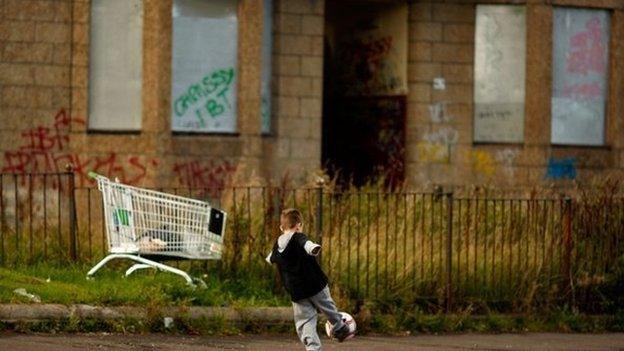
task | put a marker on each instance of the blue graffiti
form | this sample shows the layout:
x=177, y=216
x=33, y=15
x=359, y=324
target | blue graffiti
x=563, y=168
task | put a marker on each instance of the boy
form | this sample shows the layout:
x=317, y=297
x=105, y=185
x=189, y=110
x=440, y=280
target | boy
x=304, y=280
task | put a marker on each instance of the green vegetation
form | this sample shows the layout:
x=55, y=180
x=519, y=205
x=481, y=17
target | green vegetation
x=68, y=285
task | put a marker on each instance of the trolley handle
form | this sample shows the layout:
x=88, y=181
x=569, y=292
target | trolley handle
x=98, y=178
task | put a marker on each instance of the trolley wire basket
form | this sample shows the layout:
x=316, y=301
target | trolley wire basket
x=148, y=226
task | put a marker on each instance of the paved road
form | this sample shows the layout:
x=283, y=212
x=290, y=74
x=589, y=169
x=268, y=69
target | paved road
x=533, y=342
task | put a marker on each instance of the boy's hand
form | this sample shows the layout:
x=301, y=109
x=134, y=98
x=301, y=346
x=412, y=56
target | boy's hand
x=316, y=250
x=312, y=248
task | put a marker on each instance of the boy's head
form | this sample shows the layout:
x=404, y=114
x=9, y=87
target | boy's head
x=290, y=219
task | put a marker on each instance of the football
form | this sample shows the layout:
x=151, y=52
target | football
x=348, y=319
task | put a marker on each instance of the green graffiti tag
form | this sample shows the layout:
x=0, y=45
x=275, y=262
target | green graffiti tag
x=211, y=91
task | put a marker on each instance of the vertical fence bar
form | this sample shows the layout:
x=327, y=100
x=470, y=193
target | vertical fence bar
x=58, y=217
x=512, y=229
x=377, y=248
x=2, y=219
x=395, y=238
x=233, y=262
x=431, y=228
x=449, y=251
x=486, y=230
x=338, y=246
x=476, y=242
x=503, y=240
x=263, y=231
x=30, y=218
x=467, y=241
x=414, y=243
x=71, y=191
x=330, y=218
x=16, y=218
x=89, y=223
x=368, y=226
x=422, y=237
x=567, y=240
x=349, y=223
x=404, y=237
x=251, y=240
x=459, y=238
x=385, y=253
x=357, y=239
x=319, y=217
x=45, y=216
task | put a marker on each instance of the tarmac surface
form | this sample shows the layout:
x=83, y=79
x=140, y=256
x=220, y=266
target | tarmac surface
x=537, y=341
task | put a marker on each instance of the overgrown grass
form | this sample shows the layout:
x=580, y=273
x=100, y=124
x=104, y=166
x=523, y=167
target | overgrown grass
x=68, y=285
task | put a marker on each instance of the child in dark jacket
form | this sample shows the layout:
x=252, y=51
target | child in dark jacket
x=305, y=281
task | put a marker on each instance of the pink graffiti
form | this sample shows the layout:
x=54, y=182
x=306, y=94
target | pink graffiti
x=587, y=50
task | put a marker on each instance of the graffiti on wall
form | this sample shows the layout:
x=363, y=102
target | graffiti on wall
x=196, y=174
x=499, y=73
x=587, y=54
x=561, y=168
x=45, y=149
x=205, y=99
x=581, y=50
x=587, y=49
x=438, y=113
x=437, y=145
x=483, y=163
x=506, y=159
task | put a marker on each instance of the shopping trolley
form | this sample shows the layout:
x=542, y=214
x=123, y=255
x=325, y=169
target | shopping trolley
x=148, y=226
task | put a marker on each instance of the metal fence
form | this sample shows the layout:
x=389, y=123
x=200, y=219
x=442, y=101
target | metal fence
x=436, y=249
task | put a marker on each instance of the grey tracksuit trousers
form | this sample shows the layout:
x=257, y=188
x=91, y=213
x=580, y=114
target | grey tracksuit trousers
x=306, y=317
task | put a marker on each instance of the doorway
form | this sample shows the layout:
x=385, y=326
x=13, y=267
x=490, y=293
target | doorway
x=364, y=95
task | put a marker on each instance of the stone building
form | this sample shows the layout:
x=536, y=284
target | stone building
x=203, y=93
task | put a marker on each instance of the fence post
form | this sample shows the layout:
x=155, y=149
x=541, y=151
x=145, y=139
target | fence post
x=567, y=244
x=72, y=215
x=2, y=219
x=449, y=252
x=319, y=215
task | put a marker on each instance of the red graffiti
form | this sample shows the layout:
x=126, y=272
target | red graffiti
x=211, y=176
x=587, y=50
x=44, y=150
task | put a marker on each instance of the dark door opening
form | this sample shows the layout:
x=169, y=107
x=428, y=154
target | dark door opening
x=364, y=102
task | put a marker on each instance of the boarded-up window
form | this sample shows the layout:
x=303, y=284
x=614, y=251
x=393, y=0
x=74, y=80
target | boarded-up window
x=500, y=52
x=203, y=93
x=115, y=65
x=267, y=50
x=580, y=57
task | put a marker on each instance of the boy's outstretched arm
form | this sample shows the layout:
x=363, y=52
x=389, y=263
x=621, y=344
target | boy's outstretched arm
x=309, y=246
x=312, y=248
x=268, y=258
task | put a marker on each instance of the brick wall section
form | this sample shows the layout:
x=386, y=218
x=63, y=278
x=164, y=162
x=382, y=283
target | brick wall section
x=439, y=143
x=295, y=146
x=441, y=44
x=34, y=68
x=44, y=44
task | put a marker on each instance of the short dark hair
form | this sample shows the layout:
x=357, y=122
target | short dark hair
x=290, y=218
